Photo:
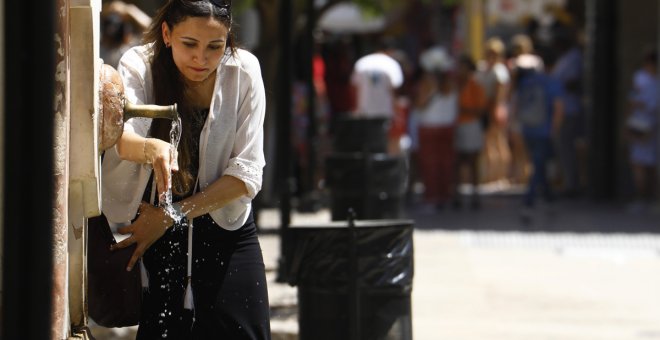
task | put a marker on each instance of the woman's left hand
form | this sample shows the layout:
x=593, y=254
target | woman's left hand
x=147, y=229
x=164, y=160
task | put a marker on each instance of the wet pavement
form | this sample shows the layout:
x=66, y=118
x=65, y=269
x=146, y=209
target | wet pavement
x=573, y=270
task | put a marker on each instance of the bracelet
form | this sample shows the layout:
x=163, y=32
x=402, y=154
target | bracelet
x=144, y=151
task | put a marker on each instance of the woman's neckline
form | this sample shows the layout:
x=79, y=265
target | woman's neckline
x=201, y=95
x=194, y=85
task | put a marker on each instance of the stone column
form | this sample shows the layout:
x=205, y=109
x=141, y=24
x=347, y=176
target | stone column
x=60, y=319
x=83, y=159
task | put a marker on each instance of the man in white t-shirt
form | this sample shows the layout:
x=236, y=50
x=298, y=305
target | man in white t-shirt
x=375, y=78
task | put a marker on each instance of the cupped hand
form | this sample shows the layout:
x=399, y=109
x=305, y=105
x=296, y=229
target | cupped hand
x=163, y=159
x=147, y=229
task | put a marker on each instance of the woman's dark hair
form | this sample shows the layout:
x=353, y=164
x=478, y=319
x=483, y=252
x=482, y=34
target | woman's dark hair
x=169, y=84
x=443, y=78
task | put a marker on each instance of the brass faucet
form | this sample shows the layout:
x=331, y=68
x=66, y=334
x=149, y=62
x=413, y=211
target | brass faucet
x=150, y=111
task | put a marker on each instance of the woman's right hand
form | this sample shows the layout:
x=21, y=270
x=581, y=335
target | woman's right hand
x=163, y=159
x=150, y=225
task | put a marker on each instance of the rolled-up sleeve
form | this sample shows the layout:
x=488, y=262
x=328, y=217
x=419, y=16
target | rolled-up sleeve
x=123, y=182
x=247, y=161
x=131, y=69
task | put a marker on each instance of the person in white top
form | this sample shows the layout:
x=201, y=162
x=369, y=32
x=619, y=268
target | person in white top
x=191, y=60
x=433, y=120
x=375, y=78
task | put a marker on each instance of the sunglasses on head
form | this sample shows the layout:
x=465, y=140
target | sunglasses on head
x=225, y=4
x=222, y=3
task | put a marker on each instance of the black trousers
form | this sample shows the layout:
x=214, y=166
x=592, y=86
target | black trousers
x=228, y=281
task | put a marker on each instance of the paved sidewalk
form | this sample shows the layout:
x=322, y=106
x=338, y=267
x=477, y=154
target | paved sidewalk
x=574, y=271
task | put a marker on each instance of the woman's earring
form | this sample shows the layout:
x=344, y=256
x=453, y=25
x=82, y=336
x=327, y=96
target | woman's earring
x=167, y=44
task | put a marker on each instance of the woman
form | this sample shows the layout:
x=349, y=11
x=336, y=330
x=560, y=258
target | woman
x=493, y=76
x=190, y=58
x=435, y=110
x=521, y=167
x=469, y=138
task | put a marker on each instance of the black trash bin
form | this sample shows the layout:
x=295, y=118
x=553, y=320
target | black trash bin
x=354, y=282
x=361, y=134
x=372, y=184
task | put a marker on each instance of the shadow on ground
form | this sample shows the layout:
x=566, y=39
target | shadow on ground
x=502, y=212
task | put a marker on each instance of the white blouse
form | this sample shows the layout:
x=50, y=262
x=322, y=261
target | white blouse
x=231, y=142
x=441, y=111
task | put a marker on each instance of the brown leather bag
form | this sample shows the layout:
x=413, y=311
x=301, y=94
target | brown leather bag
x=114, y=295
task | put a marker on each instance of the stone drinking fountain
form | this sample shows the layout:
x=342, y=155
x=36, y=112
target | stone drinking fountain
x=114, y=109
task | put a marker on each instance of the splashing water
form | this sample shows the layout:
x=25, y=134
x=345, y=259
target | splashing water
x=165, y=198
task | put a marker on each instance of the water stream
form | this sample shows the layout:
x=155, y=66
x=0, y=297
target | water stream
x=165, y=198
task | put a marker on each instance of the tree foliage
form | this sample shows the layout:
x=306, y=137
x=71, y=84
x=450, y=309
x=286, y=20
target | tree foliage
x=378, y=7
x=240, y=6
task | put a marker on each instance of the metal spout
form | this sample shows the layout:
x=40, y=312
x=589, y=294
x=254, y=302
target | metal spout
x=150, y=111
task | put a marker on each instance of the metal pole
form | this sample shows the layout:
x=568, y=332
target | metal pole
x=310, y=185
x=28, y=191
x=474, y=14
x=601, y=97
x=2, y=128
x=284, y=132
x=354, y=326
x=368, y=192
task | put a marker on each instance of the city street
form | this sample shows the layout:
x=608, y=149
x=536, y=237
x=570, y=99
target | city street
x=574, y=273
x=578, y=271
